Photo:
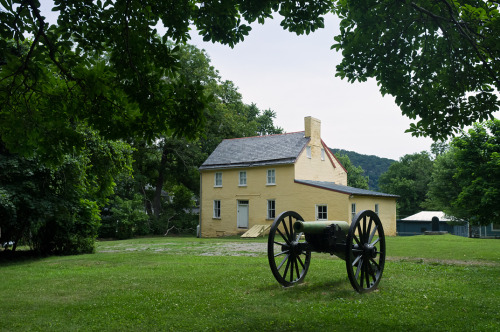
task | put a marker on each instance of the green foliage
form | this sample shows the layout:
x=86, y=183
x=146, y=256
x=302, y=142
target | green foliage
x=466, y=180
x=373, y=166
x=355, y=177
x=166, y=171
x=439, y=59
x=55, y=209
x=105, y=65
x=409, y=178
x=126, y=218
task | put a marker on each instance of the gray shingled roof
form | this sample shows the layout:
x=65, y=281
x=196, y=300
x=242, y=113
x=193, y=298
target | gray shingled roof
x=344, y=189
x=257, y=151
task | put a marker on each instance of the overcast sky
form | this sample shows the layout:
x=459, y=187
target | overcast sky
x=295, y=77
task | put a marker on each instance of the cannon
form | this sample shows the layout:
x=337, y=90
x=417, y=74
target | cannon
x=361, y=244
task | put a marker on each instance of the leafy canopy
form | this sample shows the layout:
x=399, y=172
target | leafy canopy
x=466, y=180
x=409, y=178
x=439, y=59
x=105, y=65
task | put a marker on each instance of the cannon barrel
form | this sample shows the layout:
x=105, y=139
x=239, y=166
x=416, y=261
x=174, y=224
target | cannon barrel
x=317, y=227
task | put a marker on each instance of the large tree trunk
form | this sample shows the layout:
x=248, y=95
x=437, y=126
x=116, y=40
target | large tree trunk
x=160, y=181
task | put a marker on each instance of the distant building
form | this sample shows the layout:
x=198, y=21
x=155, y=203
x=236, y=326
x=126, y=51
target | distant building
x=249, y=181
x=421, y=222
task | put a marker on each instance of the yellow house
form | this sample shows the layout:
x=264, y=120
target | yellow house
x=248, y=181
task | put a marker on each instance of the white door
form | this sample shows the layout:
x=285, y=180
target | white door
x=242, y=215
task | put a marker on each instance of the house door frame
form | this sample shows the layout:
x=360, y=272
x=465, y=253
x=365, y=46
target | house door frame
x=242, y=214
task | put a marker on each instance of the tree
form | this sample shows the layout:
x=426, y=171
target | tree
x=56, y=209
x=105, y=65
x=443, y=188
x=466, y=180
x=355, y=177
x=409, y=178
x=166, y=171
x=439, y=59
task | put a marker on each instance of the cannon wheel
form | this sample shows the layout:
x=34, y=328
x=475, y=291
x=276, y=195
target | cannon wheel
x=365, y=251
x=288, y=255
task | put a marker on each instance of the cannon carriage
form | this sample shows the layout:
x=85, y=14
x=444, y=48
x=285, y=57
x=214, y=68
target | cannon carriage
x=362, y=245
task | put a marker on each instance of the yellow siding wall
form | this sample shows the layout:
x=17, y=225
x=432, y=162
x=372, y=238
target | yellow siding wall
x=256, y=192
x=288, y=196
x=316, y=169
x=386, y=206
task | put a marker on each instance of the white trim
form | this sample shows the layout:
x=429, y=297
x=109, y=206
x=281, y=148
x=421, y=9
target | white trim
x=215, y=208
x=215, y=180
x=240, y=178
x=268, y=216
x=273, y=177
x=317, y=211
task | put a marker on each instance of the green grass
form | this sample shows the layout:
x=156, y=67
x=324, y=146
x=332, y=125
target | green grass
x=430, y=283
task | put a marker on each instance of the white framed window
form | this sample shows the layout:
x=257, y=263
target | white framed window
x=322, y=154
x=218, y=179
x=495, y=226
x=321, y=212
x=216, y=209
x=271, y=209
x=308, y=152
x=376, y=209
x=243, y=178
x=271, y=176
x=353, y=210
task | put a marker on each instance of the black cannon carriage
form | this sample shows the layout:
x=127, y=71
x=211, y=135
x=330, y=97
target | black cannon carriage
x=361, y=244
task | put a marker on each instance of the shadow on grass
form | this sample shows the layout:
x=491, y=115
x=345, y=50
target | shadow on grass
x=337, y=288
x=9, y=257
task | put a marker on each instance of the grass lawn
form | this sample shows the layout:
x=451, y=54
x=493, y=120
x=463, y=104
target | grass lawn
x=430, y=283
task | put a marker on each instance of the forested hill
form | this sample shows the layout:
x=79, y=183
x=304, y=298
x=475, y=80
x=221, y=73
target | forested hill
x=372, y=165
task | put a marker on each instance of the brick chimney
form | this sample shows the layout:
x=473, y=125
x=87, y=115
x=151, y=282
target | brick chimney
x=313, y=130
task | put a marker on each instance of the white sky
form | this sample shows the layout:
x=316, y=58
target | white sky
x=295, y=77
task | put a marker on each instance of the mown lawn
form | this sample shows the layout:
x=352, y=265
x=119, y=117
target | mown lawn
x=430, y=283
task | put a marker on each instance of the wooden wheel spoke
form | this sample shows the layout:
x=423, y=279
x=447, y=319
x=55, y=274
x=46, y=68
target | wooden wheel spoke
x=297, y=267
x=372, y=234
x=291, y=227
x=375, y=263
x=363, y=236
x=356, y=260
x=301, y=263
x=357, y=240
x=282, y=236
x=292, y=260
x=281, y=253
x=358, y=269
x=288, y=236
x=287, y=266
x=368, y=229
x=360, y=233
x=283, y=262
x=375, y=242
x=367, y=273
